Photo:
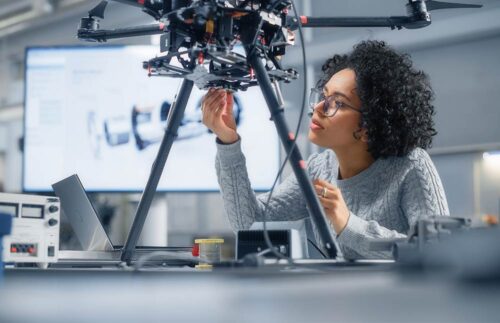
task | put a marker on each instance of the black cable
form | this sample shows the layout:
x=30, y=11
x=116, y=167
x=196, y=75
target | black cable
x=317, y=248
x=304, y=94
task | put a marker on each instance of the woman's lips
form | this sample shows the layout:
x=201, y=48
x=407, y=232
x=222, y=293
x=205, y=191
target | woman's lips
x=315, y=126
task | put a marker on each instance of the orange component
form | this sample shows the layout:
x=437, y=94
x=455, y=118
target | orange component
x=490, y=219
x=13, y=249
x=31, y=250
x=201, y=58
x=291, y=136
x=209, y=27
x=239, y=14
x=303, y=20
x=251, y=73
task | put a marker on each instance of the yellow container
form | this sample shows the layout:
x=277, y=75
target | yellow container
x=210, y=250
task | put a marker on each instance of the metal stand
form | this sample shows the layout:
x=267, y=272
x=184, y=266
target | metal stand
x=298, y=164
x=174, y=121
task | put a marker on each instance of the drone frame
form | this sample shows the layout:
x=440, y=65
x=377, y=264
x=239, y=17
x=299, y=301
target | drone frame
x=236, y=72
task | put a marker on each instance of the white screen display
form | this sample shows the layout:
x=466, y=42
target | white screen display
x=93, y=111
x=32, y=211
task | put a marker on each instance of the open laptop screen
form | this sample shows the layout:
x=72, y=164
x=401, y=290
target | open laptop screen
x=81, y=214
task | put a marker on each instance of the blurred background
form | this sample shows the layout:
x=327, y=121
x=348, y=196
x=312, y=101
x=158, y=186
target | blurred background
x=459, y=51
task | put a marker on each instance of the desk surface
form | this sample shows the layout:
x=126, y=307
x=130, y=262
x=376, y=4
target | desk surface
x=344, y=294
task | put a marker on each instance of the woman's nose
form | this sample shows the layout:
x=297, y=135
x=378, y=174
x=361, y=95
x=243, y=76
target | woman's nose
x=317, y=106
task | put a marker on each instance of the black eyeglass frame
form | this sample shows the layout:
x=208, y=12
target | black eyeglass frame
x=326, y=103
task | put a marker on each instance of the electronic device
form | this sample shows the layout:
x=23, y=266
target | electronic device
x=87, y=224
x=98, y=250
x=201, y=34
x=35, y=229
x=81, y=215
x=288, y=236
x=68, y=122
x=287, y=242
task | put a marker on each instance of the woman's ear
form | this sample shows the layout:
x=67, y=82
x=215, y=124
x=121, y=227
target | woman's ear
x=364, y=135
x=361, y=134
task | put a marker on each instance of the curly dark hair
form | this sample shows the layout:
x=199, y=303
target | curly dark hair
x=396, y=98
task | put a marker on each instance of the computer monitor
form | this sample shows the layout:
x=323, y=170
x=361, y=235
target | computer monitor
x=93, y=111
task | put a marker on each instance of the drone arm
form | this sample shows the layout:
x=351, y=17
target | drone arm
x=392, y=22
x=103, y=35
x=134, y=3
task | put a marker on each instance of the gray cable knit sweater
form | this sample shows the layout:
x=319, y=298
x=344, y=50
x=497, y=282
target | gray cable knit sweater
x=384, y=200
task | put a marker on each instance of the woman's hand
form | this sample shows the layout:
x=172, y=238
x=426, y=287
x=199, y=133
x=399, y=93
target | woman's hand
x=217, y=109
x=333, y=203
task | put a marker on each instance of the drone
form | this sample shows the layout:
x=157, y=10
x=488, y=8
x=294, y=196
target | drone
x=201, y=42
x=200, y=38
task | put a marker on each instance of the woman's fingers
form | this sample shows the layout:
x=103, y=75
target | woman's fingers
x=325, y=183
x=230, y=102
x=331, y=206
x=216, y=110
x=328, y=204
x=326, y=189
x=210, y=97
x=318, y=189
x=326, y=192
x=213, y=100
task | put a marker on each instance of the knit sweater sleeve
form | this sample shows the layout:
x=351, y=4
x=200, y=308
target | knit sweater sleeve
x=421, y=195
x=242, y=205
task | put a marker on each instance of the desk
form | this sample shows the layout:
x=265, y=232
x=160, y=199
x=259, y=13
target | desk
x=178, y=295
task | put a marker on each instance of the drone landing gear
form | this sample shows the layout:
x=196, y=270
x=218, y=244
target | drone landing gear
x=286, y=137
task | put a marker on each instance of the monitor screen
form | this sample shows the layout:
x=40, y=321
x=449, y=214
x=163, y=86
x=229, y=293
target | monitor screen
x=93, y=111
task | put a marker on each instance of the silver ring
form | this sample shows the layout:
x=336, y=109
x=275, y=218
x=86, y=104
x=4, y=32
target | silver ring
x=323, y=192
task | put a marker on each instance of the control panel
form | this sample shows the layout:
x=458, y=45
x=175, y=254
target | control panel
x=35, y=229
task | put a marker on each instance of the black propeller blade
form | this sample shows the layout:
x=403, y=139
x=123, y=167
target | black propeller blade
x=436, y=5
x=98, y=11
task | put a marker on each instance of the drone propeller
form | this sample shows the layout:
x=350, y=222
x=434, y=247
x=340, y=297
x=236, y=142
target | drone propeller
x=98, y=11
x=436, y=5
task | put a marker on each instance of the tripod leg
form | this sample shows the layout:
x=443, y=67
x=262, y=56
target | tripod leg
x=296, y=161
x=174, y=120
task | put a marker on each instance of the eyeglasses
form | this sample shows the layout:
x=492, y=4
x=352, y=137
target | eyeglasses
x=331, y=104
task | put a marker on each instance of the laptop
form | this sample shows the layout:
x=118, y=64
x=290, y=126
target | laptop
x=82, y=215
x=86, y=223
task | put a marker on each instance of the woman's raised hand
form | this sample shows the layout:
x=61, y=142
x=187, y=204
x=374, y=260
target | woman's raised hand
x=217, y=108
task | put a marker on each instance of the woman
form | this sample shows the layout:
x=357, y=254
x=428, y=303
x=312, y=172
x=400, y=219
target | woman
x=374, y=179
